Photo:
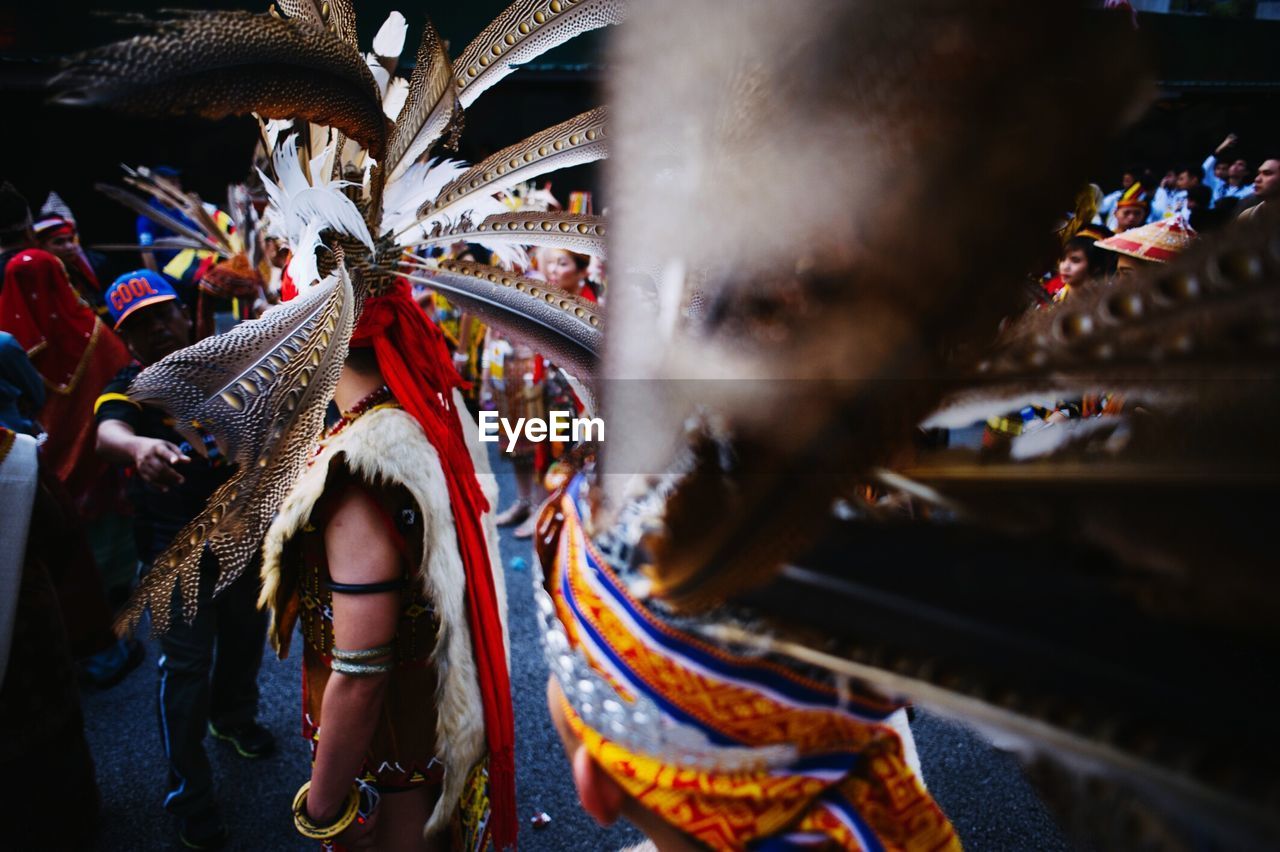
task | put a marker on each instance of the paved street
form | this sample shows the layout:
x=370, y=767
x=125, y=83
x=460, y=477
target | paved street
x=981, y=789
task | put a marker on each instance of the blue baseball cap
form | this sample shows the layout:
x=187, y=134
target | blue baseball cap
x=135, y=290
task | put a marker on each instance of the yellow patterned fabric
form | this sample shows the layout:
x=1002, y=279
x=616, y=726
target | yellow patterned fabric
x=843, y=780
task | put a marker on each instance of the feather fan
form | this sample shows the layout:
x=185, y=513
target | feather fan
x=428, y=109
x=164, y=220
x=278, y=370
x=188, y=203
x=568, y=330
x=524, y=31
x=819, y=282
x=579, y=140
x=217, y=64
x=577, y=233
x=337, y=16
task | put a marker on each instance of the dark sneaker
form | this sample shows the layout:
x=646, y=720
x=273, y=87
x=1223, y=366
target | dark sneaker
x=251, y=740
x=204, y=830
x=107, y=668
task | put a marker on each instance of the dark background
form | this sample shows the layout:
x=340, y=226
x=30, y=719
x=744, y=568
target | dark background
x=1217, y=75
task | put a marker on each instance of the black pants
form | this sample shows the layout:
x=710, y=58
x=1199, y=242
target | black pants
x=208, y=673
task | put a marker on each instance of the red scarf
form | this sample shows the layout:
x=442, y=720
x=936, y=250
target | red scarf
x=39, y=307
x=417, y=368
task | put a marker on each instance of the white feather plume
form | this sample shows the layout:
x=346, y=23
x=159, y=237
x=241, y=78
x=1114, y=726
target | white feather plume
x=272, y=128
x=389, y=41
x=300, y=211
x=381, y=75
x=394, y=96
x=388, y=44
x=302, y=261
x=417, y=185
x=509, y=255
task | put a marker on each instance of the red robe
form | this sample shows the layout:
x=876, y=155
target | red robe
x=72, y=350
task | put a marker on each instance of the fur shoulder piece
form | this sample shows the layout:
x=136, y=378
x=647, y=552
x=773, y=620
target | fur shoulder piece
x=388, y=446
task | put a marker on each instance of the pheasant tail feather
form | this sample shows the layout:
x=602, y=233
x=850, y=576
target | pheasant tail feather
x=280, y=370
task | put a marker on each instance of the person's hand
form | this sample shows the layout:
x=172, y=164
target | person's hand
x=1229, y=142
x=1169, y=180
x=157, y=461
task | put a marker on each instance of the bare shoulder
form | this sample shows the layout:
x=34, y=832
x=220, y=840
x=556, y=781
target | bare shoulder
x=358, y=541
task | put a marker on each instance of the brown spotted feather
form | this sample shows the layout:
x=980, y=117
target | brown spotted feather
x=218, y=64
x=280, y=370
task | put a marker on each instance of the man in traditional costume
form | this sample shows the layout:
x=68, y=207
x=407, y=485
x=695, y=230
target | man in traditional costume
x=385, y=554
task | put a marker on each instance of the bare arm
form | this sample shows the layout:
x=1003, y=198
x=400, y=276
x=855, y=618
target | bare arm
x=358, y=552
x=156, y=460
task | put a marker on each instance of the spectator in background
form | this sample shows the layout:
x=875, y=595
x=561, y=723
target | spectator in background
x=199, y=690
x=566, y=271
x=58, y=236
x=1107, y=209
x=21, y=388
x=75, y=355
x=1171, y=201
x=1132, y=208
x=1139, y=248
x=68, y=345
x=1266, y=187
x=1239, y=183
x=1227, y=175
x=1080, y=261
x=41, y=725
x=1162, y=199
x=1199, y=209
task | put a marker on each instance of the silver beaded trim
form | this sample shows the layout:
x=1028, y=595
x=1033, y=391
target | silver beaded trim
x=640, y=726
x=362, y=654
x=361, y=669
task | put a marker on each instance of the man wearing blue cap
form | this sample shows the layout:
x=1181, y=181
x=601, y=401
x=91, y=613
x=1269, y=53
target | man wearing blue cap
x=199, y=690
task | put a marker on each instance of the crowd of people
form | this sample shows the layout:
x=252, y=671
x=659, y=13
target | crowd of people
x=121, y=480
x=1160, y=218
x=114, y=479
